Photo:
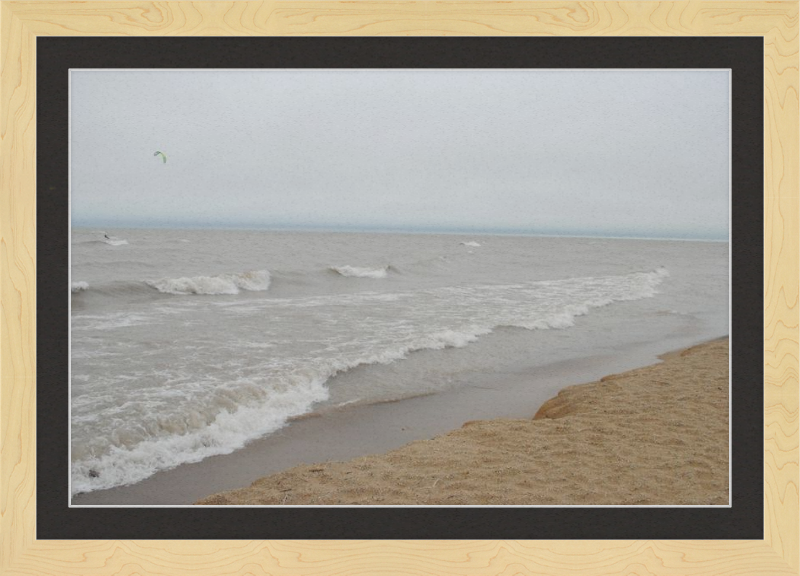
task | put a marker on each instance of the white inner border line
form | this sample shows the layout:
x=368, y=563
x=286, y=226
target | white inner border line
x=419, y=70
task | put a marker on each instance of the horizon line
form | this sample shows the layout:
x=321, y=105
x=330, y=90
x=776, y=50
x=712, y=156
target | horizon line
x=399, y=230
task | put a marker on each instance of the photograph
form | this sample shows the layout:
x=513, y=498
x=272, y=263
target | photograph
x=399, y=287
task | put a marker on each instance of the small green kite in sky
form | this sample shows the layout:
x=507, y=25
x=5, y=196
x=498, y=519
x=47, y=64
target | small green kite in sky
x=163, y=156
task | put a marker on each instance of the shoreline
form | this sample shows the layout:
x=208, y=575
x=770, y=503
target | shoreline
x=361, y=431
x=599, y=443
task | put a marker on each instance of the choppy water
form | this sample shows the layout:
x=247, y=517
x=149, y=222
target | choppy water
x=189, y=343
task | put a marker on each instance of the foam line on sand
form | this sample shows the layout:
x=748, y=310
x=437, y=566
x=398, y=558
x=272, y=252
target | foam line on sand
x=654, y=435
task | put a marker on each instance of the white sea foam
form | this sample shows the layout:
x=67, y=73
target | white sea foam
x=224, y=424
x=471, y=243
x=110, y=321
x=356, y=272
x=185, y=439
x=115, y=241
x=434, y=319
x=160, y=381
x=255, y=281
x=79, y=287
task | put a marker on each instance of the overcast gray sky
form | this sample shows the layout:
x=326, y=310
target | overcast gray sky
x=617, y=153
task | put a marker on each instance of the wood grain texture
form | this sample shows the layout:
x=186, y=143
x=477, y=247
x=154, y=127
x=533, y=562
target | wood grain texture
x=21, y=553
x=781, y=259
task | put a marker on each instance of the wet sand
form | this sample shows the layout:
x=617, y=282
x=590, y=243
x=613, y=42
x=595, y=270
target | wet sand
x=654, y=435
x=359, y=431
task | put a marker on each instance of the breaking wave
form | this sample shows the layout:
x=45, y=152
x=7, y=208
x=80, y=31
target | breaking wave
x=353, y=271
x=254, y=281
x=171, y=441
x=220, y=411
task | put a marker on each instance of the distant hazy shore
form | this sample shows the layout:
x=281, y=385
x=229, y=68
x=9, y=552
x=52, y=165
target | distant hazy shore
x=654, y=435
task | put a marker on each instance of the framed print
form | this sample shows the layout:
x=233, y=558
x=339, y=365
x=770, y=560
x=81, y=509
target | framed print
x=143, y=442
x=62, y=62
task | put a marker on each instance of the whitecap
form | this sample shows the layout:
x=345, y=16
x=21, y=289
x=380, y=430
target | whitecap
x=253, y=281
x=353, y=271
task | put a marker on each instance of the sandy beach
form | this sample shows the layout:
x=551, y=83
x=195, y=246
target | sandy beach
x=649, y=436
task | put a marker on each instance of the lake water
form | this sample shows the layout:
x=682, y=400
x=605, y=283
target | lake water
x=190, y=343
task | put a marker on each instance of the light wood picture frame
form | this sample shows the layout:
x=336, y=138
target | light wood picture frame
x=22, y=22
